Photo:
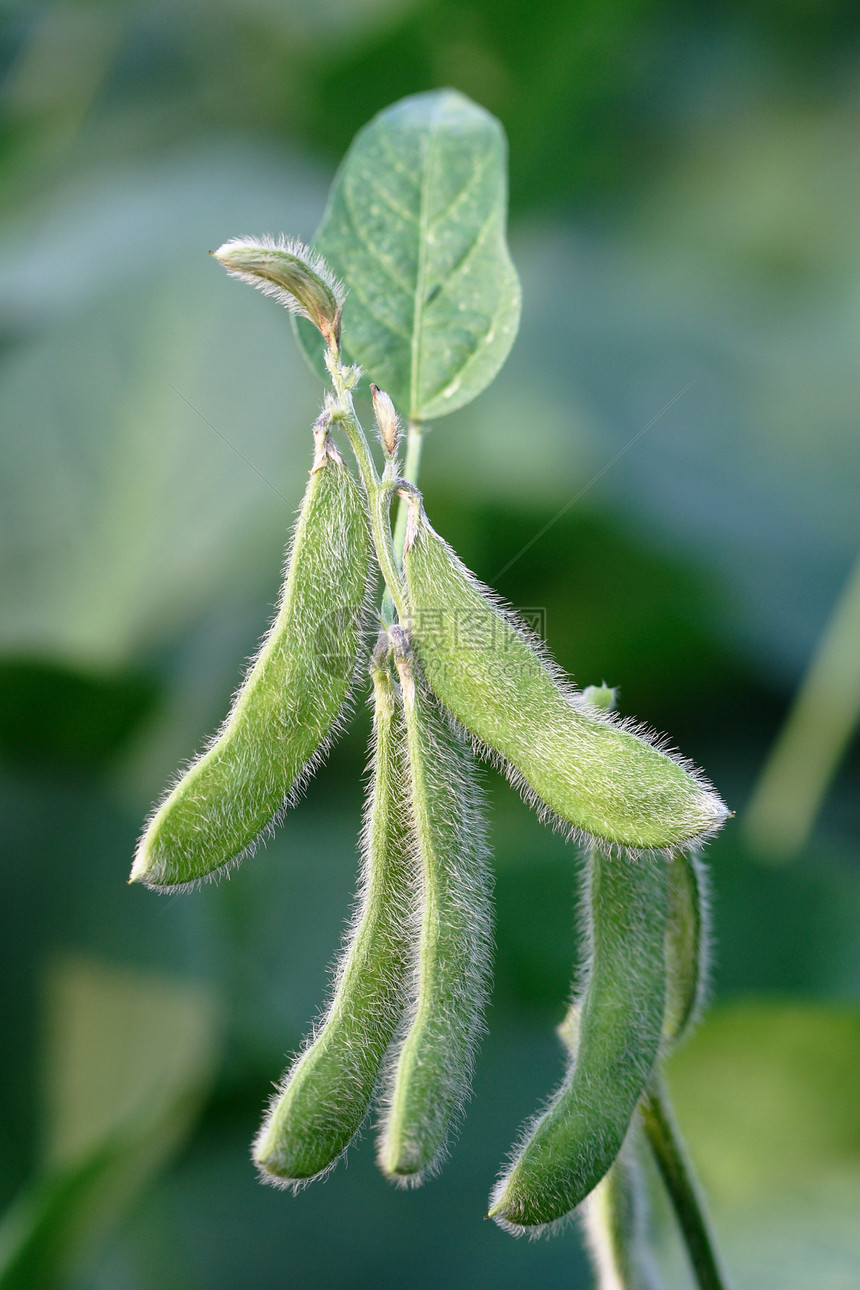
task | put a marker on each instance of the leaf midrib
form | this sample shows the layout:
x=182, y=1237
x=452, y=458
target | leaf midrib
x=418, y=309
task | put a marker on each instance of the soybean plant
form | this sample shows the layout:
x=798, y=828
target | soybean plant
x=411, y=283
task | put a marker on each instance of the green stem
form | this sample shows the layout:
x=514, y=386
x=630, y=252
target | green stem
x=414, y=443
x=378, y=491
x=677, y=1174
x=411, y=466
x=806, y=755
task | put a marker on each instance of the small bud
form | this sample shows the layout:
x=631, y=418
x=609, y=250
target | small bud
x=386, y=419
x=600, y=696
x=293, y=274
x=323, y=447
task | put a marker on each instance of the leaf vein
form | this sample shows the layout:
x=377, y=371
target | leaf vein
x=456, y=269
x=478, y=172
x=371, y=250
x=418, y=308
x=394, y=206
x=397, y=166
x=504, y=301
x=395, y=331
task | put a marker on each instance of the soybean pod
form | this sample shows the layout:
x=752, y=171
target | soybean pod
x=614, y=1216
x=687, y=949
x=433, y=1064
x=614, y=1224
x=568, y=1149
x=687, y=944
x=287, y=709
x=325, y=1096
x=597, y=774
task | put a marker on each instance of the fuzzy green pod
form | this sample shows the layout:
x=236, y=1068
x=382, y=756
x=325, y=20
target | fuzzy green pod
x=566, y=1151
x=289, y=706
x=599, y=776
x=614, y=1227
x=325, y=1096
x=614, y=1216
x=687, y=944
x=687, y=951
x=433, y=1064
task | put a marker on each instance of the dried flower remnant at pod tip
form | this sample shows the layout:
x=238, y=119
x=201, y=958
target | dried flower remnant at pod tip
x=292, y=273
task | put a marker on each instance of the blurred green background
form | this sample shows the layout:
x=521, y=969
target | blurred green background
x=684, y=217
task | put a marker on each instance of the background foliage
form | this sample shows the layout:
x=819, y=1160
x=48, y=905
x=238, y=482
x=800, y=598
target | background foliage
x=684, y=216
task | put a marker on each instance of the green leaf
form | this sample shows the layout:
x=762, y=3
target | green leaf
x=128, y=1061
x=766, y=1095
x=415, y=227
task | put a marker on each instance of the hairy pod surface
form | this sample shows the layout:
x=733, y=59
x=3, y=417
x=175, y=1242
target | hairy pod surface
x=325, y=1096
x=433, y=1065
x=289, y=705
x=593, y=772
x=568, y=1149
x=614, y=1216
x=614, y=1226
x=687, y=944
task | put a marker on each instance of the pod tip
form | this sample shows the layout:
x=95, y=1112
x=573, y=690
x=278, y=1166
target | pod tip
x=140, y=866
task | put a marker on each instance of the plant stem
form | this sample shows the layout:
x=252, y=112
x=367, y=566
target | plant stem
x=806, y=754
x=683, y=1192
x=378, y=492
x=414, y=442
x=411, y=466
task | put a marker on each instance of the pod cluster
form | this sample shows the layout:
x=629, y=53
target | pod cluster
x=454, y=675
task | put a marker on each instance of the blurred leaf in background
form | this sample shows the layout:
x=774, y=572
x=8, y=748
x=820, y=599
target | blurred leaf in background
x=127, y=1062
x=762, y=1091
